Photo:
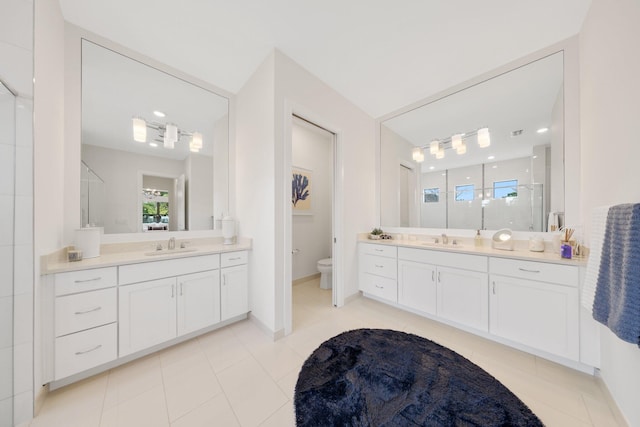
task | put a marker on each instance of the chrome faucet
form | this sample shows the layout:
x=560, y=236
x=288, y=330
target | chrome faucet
x=172, y=243
x=445, y=239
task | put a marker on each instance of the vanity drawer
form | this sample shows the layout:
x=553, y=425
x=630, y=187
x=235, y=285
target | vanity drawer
x=380, y=287
x=379, y=266
x=380, y=250
x=85, y=280
x=146, y=271
x=545, y=272
x=445, y=258
x=86, y=310
x=229, y=259
x=84, y=350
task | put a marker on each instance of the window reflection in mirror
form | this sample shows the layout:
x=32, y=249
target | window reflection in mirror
x=183, y=139
x=514, y=182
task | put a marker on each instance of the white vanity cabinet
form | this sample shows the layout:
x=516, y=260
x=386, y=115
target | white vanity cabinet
x=84, y=323
x=156, y=311
x=450, y=285
x=536, y=304
x=234, y=289
x=147, y=314
x=378, y=271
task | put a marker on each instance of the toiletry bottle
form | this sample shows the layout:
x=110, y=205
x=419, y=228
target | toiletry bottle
x=478, y=240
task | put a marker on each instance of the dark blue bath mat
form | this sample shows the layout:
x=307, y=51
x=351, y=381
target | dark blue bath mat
x=379, y=377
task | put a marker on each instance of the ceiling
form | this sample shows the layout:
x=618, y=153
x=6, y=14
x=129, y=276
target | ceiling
x=379, y=54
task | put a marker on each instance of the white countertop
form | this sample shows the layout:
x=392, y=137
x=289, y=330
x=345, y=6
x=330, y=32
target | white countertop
x=467, y=246
x=133, y=253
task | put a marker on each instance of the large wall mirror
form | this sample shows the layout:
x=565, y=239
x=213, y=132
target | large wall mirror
x=485, y=157
x=155, y=148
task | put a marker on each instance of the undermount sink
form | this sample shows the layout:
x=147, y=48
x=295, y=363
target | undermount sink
x=170, y=251
x=441, y=245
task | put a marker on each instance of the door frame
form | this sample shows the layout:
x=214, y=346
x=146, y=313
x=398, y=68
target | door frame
x=291, y=109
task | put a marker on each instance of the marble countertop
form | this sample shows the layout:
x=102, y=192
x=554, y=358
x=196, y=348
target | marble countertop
x=136, y=252
x=467, y=246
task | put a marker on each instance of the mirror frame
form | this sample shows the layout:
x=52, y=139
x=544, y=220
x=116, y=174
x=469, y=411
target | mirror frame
x=569, y=47
x=72, y=134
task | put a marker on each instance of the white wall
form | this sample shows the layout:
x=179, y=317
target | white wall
x=465, y=214
x=312, y=149
x=49, y=151
x=255, y=187
x=263, y=186
x=609, y=70
x=200, y=191
x=434, y=214
x=306, y=95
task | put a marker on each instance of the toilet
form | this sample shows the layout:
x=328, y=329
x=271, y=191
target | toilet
x=325, y=267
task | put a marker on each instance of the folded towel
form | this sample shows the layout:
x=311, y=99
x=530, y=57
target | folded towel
x=617, y=299
x=598, y=224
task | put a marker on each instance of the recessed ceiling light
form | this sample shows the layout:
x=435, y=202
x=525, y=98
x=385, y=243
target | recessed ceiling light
x=491, y=157
x=495, y=166
x=432, y=167
x=153, y=144
x=542, y=130
x=535, y=157
x=158, y=113
x=468, y=177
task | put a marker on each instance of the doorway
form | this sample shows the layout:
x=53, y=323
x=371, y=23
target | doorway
x=313, y=219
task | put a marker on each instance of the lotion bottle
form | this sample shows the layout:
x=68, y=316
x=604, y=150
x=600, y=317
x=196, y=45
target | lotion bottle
x=478, y=240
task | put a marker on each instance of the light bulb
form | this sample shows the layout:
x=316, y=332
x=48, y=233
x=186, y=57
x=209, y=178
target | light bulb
x=440, y=154
x=196, y=140
x=462, y=148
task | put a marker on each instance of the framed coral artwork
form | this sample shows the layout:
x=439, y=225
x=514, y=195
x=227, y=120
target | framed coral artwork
x=301, y=191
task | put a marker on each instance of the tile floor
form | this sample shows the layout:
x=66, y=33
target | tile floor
x=237, y=376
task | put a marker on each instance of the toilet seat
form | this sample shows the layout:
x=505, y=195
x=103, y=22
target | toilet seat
x=327, y=262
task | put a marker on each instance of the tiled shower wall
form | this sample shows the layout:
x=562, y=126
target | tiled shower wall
x=16, y=216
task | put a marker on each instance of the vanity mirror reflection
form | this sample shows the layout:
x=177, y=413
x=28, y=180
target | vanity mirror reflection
x=488, y=156
x=155, y=148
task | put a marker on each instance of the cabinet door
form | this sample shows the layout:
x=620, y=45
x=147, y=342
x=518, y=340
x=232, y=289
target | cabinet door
x=538, y=314
x=234, y=293
x=417, y=286
x=463, y=297
x=147, y=314
x=198, y=301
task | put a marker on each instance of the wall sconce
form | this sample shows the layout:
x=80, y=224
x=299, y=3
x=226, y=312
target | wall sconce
x=168, y=134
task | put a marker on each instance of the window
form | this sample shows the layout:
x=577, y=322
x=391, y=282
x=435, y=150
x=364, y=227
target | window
x=504, y=189
x=464, y=193
x=431, y=195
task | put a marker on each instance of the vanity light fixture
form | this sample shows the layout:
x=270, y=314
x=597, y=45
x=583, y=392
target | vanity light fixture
x=457, y=142
x=168, y=134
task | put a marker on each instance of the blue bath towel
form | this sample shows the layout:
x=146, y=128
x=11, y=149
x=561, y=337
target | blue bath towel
x=617, y=300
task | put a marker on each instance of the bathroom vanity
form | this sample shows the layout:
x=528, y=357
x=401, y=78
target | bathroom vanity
x=129, y=302
x=526, y=300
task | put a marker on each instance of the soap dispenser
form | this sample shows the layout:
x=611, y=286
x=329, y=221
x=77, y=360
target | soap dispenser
x=478, y=239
